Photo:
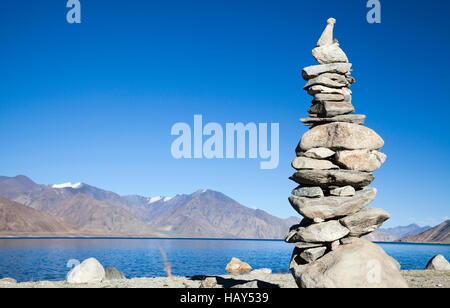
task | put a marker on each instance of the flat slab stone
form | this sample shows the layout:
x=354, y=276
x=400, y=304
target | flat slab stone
x=312, y=254
x=326, y=178
x=332, y=207
x=365, y=221
x=343, y=79
x=346, y=191
x=304, y=245
x=318, y=153
x=325, y=81
x=321, y=97
x=331, y=109
x=327, y=90
x=300, y=163
x=308, y=192
x=333, y=246
x=292, y=237
x=315, y=70
x=325, y=232
x=348, y=240
x=361, y=160
x=341, y=136
x=348, y=118
x=329, y=54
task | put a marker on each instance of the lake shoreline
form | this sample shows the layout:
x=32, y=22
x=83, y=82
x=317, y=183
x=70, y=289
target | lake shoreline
x=51, y=259
x=414, y=278
x=137, y=237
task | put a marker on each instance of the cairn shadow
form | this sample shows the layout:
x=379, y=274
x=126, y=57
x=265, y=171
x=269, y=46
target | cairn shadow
x=228, y=283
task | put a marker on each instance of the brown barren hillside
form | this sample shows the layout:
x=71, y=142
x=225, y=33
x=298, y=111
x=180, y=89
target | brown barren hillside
x=205, y=213
x=18, y=218
x=85, y=211
x=438, y=234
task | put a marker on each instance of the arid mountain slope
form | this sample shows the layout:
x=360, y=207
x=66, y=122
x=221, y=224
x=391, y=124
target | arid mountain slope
x=16, y=217
x=438, y=234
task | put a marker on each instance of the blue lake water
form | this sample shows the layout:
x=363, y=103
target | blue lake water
x=47, y=259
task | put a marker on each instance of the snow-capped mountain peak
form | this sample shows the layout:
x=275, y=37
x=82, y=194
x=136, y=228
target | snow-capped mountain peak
x=154, y=199
x=68, y=185
x=158, y=198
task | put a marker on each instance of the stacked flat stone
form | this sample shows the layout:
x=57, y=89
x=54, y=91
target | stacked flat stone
x=334, y=163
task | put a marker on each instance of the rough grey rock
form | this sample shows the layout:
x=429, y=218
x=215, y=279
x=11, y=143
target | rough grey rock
x=318, y=153
x=322, y=97
x=248, y=285
x=112, y=273
x=304, y=245
x=325, y=232
x=292, y=236
x=261, y=271
x=331, y=109
x=305, y=222
x=297, y=269
x=347, y=92
x=311, y=163
x=315, y=70
x=365, y=221
x=326, y=178
x=313, y=90
x=296, y=259
x=361, y=160
x=208, y=283
x=360, y=264
x=341, y=136
x=312, y=254
x=308, y=192
x=89, y=271
x=438, y=263
x=236, y=266
x=350, y=79
x=346, y=191
x=325, y=81
x=334, y=245
x=348, y=240
x=8, y=280
x=329, y=54
x=332, y=207
x=347, y=118
x=342, y=79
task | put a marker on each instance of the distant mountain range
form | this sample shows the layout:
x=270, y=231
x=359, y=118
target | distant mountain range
x=83, y=210
x=438, y=234
x=395, y=234
x=78, y=209
x=15, y=216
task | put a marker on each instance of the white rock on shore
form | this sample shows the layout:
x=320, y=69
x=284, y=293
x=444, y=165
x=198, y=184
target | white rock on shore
x=438, y=263
x=89, y=271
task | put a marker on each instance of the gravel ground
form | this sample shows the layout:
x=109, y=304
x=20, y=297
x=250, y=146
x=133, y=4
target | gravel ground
x=427, y=279
x=415, y=279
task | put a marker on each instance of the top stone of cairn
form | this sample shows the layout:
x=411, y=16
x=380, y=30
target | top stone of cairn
x=328, y=50
x=327, y=35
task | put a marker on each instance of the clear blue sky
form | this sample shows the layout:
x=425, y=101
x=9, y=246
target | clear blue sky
x=95, y=102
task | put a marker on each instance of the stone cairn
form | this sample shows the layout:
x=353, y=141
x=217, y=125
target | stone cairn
x=334, y=162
